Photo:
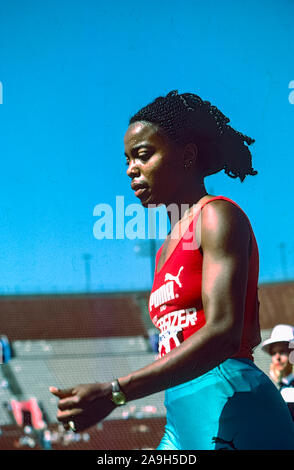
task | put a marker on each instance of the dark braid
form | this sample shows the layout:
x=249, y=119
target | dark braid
x=187, y=118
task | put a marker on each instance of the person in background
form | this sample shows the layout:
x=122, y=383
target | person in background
x=281, y=369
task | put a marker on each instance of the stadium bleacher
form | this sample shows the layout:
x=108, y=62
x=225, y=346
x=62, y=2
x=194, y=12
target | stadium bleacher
x=71, y=316
x=63, y=340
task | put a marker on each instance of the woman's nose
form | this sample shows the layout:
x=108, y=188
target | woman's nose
x=132, y=169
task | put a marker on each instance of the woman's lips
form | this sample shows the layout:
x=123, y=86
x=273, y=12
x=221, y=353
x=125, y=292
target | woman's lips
x=140, y=192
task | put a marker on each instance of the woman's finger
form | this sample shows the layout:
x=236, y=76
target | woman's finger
x=61, y=393
x=68, y=403
x=68, y=415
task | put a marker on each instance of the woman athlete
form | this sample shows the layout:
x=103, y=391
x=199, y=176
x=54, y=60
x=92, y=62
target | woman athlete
x=204, y=298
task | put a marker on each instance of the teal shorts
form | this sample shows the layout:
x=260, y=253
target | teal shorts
x=235, y=406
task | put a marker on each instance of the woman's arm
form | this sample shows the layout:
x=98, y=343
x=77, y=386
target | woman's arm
x=225, y=237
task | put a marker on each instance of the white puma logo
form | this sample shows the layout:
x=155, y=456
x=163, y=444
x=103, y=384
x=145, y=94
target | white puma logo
x=170, y=277
x=164, y=340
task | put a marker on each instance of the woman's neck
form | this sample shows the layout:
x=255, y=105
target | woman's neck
x=185, y=203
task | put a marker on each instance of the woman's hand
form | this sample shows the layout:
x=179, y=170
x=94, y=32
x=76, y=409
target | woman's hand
x=84, y=404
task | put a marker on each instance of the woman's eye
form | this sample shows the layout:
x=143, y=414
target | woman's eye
x=144, y=156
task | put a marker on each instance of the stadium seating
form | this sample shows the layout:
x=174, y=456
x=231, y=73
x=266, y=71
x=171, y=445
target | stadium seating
x=62, y=340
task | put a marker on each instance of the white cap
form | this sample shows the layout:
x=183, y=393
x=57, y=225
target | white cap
x=280, y=333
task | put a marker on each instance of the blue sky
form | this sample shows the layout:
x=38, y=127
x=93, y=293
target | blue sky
x=73, y=72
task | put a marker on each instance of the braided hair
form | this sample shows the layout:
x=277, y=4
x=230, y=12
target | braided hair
x=187, y=118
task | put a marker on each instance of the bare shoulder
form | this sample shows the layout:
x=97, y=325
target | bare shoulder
x=222, y=222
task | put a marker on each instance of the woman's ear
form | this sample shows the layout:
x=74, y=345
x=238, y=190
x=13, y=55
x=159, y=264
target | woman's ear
x=190, y=155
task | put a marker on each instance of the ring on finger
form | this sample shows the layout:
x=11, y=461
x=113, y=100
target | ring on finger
x=72, y=426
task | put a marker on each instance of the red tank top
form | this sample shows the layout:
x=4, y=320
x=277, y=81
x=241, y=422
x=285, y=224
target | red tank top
x=175, y=302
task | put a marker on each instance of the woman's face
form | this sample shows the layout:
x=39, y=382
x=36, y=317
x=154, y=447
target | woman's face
x=155, y=164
